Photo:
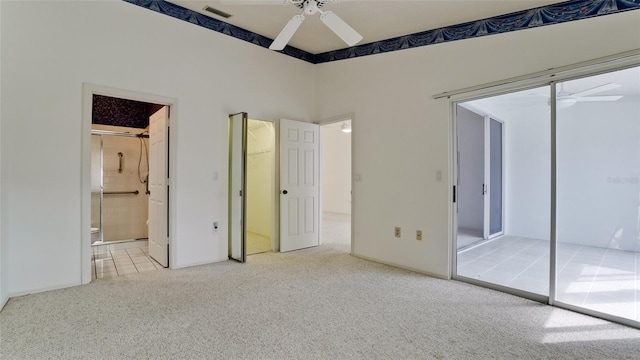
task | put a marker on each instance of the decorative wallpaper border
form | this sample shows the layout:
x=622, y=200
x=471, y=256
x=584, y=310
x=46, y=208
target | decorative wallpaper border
x=522, y=20
x=547, y=15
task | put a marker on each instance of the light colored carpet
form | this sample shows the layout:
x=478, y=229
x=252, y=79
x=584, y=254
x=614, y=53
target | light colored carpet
x=318, y=303
x=336, y=230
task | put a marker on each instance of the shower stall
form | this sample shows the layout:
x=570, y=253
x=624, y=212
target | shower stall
x=119, y=184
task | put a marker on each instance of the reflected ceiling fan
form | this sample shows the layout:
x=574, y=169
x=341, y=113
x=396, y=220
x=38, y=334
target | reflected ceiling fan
x=565, y=99
x=309, y=7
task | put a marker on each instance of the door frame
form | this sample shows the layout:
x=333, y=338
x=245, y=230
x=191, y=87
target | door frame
x=354, y=177
x=88, y=90
x=241, y=186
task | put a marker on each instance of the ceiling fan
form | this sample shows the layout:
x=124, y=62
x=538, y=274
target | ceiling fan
x=565, y=99
x=309, y=7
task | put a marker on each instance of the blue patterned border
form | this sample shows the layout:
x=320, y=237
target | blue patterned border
x=548, y=15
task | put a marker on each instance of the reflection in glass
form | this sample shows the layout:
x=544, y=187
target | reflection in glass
x=598, y=193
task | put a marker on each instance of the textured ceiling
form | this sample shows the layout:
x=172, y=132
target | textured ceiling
x=375, y=20
x=122, y=112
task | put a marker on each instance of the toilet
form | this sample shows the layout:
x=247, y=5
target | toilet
x=95, y=234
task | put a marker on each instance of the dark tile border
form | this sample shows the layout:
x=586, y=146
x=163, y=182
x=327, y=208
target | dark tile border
x=521, y=20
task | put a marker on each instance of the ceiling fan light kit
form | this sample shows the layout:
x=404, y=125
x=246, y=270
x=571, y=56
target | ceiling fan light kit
x=330, y=19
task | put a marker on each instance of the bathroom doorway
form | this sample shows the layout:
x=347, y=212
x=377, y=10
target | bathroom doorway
x=129, y=173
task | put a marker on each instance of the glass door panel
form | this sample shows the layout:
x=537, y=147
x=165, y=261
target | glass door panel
x=237, y=185
x=503, y=202
x=96, y=188
x=598, y=193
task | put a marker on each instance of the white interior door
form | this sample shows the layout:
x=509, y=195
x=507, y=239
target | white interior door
x=158, y=186
x=299, y=185
x=237, y=186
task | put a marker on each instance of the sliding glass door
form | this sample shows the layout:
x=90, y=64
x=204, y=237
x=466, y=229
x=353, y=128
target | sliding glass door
x=503, y=202
x=569, y=194
x=598, y=193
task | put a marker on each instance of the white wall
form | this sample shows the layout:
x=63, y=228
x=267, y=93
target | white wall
x=528, y=171
x=49, y=49
x=402, y=136
x=599, y=196
x=335, y=148
x=3, y=278
x=470, y=135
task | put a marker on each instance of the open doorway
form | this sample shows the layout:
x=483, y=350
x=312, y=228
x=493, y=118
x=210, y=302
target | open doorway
x=129, y=173
x=335, y=155
x=260, y=186
x=480, y=195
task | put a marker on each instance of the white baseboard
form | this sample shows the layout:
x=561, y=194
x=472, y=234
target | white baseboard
x=43, y=289
x=401, y=267
x=182, y=266
x=3, y=302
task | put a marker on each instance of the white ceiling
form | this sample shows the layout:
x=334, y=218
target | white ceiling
x=375, y=20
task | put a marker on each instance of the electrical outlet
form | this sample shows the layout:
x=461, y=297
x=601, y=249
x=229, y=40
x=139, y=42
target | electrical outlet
x=397, y=231
x=418, y=234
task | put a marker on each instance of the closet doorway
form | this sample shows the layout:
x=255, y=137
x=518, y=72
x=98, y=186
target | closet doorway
x=260, y=207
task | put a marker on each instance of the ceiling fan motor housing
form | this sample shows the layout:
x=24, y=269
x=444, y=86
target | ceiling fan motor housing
x=311, y=7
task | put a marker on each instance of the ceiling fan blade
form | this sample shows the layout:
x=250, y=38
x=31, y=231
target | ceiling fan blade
x=287, y=33
x=597, y=89
x=341, y=28
x=599, y=98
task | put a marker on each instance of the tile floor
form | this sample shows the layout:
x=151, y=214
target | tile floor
x=600, y=279
x=108, y=261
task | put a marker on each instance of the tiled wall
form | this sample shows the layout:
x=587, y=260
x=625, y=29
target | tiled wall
x=124, y=216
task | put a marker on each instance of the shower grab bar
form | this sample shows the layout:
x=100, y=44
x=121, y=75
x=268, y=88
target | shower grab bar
x=121, y=192
x=120, y=155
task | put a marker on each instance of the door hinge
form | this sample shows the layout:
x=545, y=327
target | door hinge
x=240, y=192
x=454, y=193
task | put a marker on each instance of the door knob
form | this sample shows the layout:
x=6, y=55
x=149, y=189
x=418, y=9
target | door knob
x=285, y=192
